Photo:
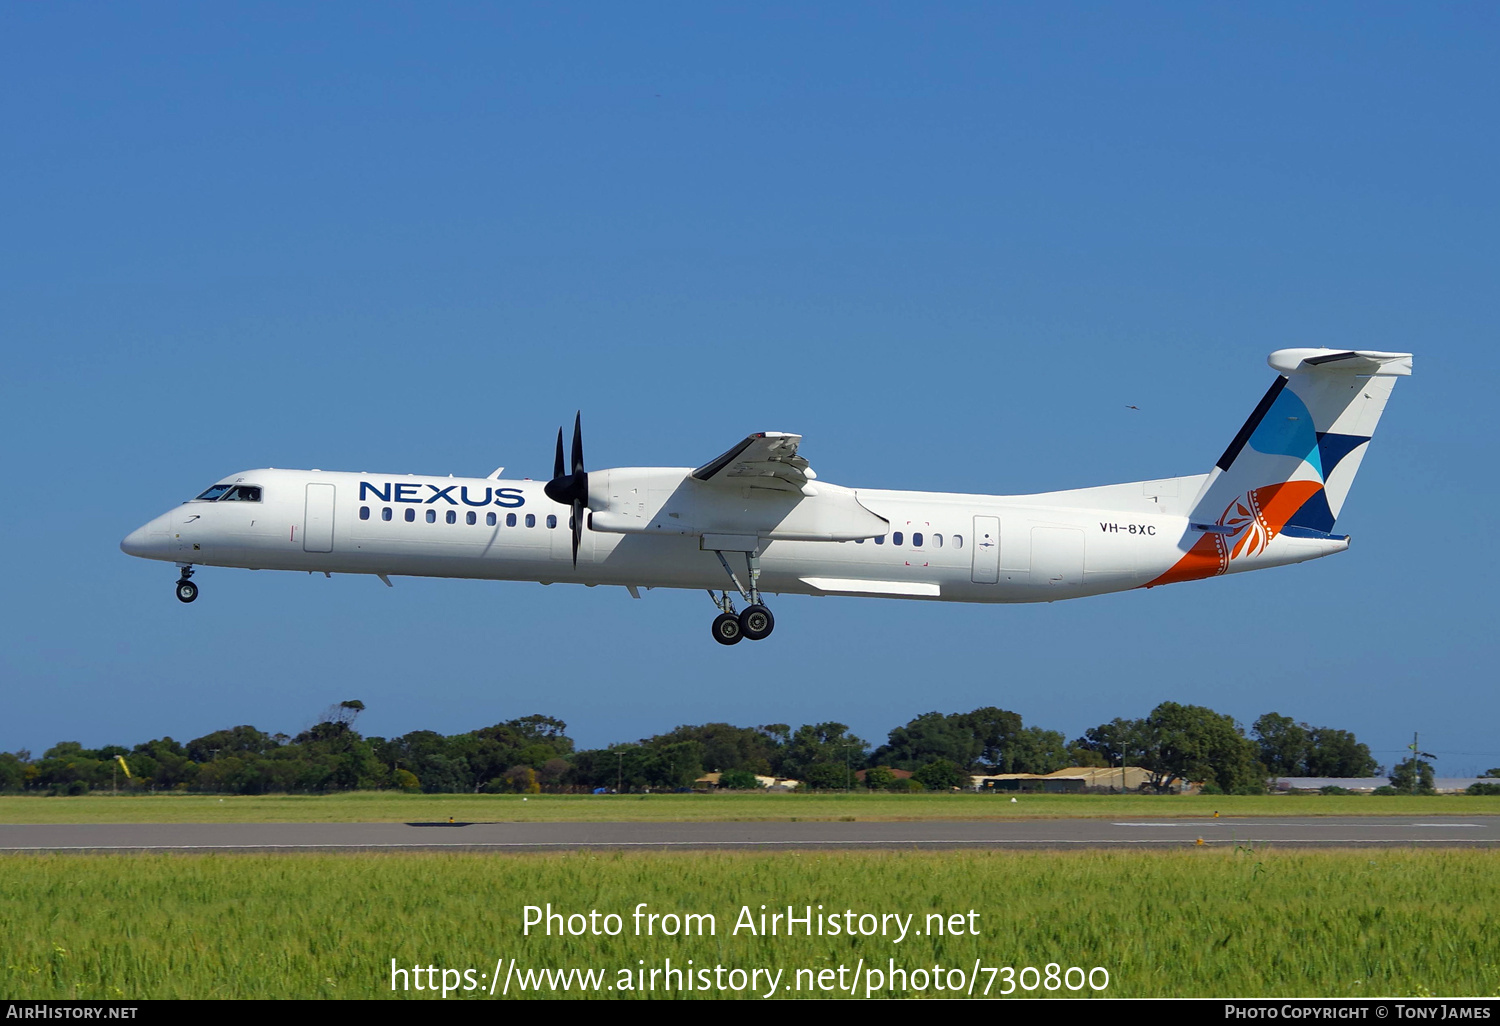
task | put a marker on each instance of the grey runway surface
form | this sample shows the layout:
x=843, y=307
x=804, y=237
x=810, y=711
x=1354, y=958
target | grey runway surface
x=1326, y=832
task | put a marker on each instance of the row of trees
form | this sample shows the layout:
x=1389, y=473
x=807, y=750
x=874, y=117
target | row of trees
x=1190, y=742
x=1175, y=743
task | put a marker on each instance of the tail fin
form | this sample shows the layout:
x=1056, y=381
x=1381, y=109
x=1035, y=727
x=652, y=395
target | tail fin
x=1289, y=469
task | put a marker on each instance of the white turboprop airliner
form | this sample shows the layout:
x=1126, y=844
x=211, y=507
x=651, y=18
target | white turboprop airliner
x=757, y=519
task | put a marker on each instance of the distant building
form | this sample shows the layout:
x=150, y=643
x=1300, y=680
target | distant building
x=778, y=783
x=1364, y=785
x=899, y=774
x=1073, y=780
x=711, y=780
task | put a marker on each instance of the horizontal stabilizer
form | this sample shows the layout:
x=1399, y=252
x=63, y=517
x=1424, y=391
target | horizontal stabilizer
x=1353, y=361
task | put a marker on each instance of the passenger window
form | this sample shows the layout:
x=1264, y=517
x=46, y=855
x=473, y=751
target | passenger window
x=489, y=520
x=411, y=514
x=896, y=538
x=551, y=521
x=880, y=540
x=385, y=514
x=510, y=520
x=916, y=539
x=452, y=517
x=364, y=512
x=937, y=541
x=958, y=541
x=531, y=520
x=859, y=541
x=432, y=516
x=470, y=518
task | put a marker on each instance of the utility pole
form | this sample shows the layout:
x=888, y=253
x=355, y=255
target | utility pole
x=848, y=779
x=1416, y=772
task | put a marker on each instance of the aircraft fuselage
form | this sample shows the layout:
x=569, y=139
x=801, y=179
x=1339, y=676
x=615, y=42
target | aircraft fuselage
x=944, y=546
x=759, y=518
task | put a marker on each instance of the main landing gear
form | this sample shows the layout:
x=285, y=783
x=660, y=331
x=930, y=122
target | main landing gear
x=756, y=622
x=186, y=589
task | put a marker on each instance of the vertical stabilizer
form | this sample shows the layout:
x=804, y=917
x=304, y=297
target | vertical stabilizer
x=1289, y=468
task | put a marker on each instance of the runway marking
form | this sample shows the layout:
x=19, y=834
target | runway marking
x=1260, y=824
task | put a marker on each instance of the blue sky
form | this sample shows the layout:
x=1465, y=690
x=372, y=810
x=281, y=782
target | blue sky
x=947, y=243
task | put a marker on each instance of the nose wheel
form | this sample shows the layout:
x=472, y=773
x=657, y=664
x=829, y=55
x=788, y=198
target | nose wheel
x=756, y=622
x=186, y=589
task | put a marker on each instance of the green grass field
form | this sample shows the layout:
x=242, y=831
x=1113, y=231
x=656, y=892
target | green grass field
x=388, y=807
x=1210, y=923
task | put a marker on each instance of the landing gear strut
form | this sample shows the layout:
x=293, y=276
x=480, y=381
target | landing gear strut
x=186, y=589
x=756, y=622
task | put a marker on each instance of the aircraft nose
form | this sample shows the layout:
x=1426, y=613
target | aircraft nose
x=136, y=543
x=149, y=541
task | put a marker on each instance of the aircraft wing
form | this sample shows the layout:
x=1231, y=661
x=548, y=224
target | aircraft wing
x=760, y=490
x=768, y=459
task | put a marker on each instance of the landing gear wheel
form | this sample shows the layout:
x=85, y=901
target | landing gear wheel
x=727, y=629
x=186, y=590
x=756, y=622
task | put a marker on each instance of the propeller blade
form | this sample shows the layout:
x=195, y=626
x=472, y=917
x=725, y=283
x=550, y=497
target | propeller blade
x=577, y=528
x=577, y=445
x=571, y=489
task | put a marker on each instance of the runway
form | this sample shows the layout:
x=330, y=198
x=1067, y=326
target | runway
x=1061, y=834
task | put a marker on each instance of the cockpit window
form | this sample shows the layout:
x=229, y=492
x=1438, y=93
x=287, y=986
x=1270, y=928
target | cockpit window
x=232, y=493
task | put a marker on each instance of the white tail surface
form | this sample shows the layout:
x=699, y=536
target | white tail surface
x=1289, y=468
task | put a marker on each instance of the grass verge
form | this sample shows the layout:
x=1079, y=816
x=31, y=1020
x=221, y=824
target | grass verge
x=1217, y=923
x=387, y=807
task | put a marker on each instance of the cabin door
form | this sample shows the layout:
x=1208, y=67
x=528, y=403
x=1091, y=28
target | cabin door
x=986, y=550
x=317, y=523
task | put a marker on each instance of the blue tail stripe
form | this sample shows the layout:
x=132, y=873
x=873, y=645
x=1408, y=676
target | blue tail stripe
x=1315, y=514
x=1333, y=448
x=1288, y=430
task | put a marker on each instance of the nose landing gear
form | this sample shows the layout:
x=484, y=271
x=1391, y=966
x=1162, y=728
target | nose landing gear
x=186, y=589
x=756, y=622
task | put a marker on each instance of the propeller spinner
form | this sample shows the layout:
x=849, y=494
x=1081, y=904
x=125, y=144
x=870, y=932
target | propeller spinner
x=571, y=489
